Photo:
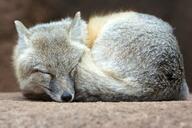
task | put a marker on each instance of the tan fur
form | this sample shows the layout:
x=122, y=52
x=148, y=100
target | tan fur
x=94, y=27
x=96, y=23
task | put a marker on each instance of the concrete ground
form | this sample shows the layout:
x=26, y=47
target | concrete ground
x=17, y=112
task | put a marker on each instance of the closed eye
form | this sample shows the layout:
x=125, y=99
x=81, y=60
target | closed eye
x=41, y=71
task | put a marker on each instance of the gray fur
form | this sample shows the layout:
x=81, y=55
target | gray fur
x=134, y=58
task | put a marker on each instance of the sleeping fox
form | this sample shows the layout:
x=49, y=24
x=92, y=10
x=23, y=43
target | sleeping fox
x=125, y=56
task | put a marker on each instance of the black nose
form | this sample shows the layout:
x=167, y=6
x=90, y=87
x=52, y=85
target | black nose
x=66, y=97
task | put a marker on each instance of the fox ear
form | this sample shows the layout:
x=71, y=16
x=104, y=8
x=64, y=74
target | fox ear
x=22, y=31
x=77, y=30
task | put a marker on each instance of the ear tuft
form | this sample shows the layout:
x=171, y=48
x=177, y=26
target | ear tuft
x=21, y=29
x=78, y=15
x=76, y=20
x=78, y=29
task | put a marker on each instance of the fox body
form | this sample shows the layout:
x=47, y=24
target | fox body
x=125, y=56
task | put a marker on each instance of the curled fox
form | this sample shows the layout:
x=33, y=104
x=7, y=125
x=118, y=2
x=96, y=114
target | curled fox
x=126, y=56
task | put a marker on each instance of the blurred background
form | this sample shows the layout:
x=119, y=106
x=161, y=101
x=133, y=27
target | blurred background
x=177, y=12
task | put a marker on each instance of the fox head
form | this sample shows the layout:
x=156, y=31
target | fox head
x=46, y=54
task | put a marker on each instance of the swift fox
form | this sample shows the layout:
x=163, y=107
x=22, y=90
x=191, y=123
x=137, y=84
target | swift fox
x=125, y=56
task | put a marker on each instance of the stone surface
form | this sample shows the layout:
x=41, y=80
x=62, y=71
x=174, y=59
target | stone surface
x=15, y=111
